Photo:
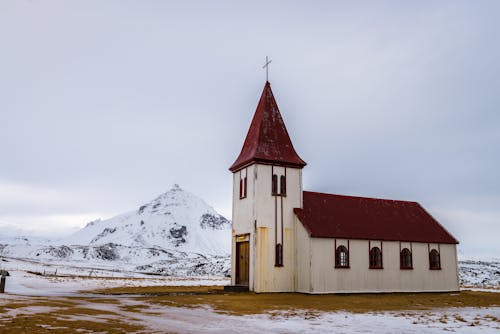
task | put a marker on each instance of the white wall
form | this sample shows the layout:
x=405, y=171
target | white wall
x=303, y=260
x=326, y=278
x=243, y=218
x=256, y=215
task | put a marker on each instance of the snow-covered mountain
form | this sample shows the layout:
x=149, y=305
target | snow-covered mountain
x=175, y=220
x=175, y=234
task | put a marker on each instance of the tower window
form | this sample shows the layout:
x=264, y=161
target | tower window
x=405, y=259
x=341, y=257
x=274, y=188
x=283, y=185
x=434, y=260
x=278, y=262
x=375, y=258
x=243, y=187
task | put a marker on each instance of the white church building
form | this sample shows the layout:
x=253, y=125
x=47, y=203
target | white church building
x=286, y=239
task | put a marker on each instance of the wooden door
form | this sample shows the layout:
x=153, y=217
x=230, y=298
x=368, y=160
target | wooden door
x=242, y=263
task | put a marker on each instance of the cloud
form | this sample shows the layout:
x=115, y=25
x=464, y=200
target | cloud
x=104, y=105
x=18, y=196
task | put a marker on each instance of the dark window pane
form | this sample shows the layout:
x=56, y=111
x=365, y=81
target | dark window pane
x=406, y=260
x=341, y=257
x=283, y=185
x=434, y=260
x=375, y=258
x=279, y=255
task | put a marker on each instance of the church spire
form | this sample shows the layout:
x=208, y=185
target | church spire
x=267, y=140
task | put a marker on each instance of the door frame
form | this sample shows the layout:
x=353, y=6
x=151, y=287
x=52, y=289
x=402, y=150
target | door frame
x=242, y=238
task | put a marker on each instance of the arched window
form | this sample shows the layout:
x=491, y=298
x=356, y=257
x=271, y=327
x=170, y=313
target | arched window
x=375, y=258
x=341, y=257
x=434, y=260
x=282, y=185
x=274, y=188
x=405, y=259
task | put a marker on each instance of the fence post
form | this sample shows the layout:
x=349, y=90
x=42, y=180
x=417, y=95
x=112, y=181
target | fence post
x=3, y=274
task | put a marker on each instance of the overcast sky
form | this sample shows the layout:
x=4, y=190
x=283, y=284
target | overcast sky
x=105, y=104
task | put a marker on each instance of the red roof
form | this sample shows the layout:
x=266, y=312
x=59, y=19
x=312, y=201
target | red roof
x=338, y=216
x=267, y=139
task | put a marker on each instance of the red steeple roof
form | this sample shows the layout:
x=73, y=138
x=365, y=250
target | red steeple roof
x=267, y=139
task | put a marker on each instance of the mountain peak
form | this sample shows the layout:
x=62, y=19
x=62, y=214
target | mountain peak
x=176, y=219
x=176, y=187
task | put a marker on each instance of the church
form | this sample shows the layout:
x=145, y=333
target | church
x=285, y=239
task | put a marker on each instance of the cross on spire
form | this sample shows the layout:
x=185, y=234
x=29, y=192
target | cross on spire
x=266, y=66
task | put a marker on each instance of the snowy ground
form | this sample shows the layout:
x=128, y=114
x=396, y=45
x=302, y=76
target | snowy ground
x=162, y=319
x=24, y=283
x=26, y=287
x=70, y=280
x=479, y=274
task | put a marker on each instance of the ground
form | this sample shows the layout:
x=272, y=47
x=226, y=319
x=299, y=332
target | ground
x=149, y=305
x=124, y=302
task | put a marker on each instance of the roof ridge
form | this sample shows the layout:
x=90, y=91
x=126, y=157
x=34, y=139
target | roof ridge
x=363, y=197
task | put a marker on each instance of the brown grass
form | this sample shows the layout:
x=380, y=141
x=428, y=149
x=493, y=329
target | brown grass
x=48, y=323
x=62, y=318
x=90, y=314
x=252, y=303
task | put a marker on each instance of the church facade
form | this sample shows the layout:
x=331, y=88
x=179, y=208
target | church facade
x=285, y=239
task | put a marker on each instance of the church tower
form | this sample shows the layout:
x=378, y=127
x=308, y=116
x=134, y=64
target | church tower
x=267, y=186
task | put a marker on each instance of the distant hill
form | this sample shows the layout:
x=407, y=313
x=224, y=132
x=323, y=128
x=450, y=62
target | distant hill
x=176, y=220
x=177, y=233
